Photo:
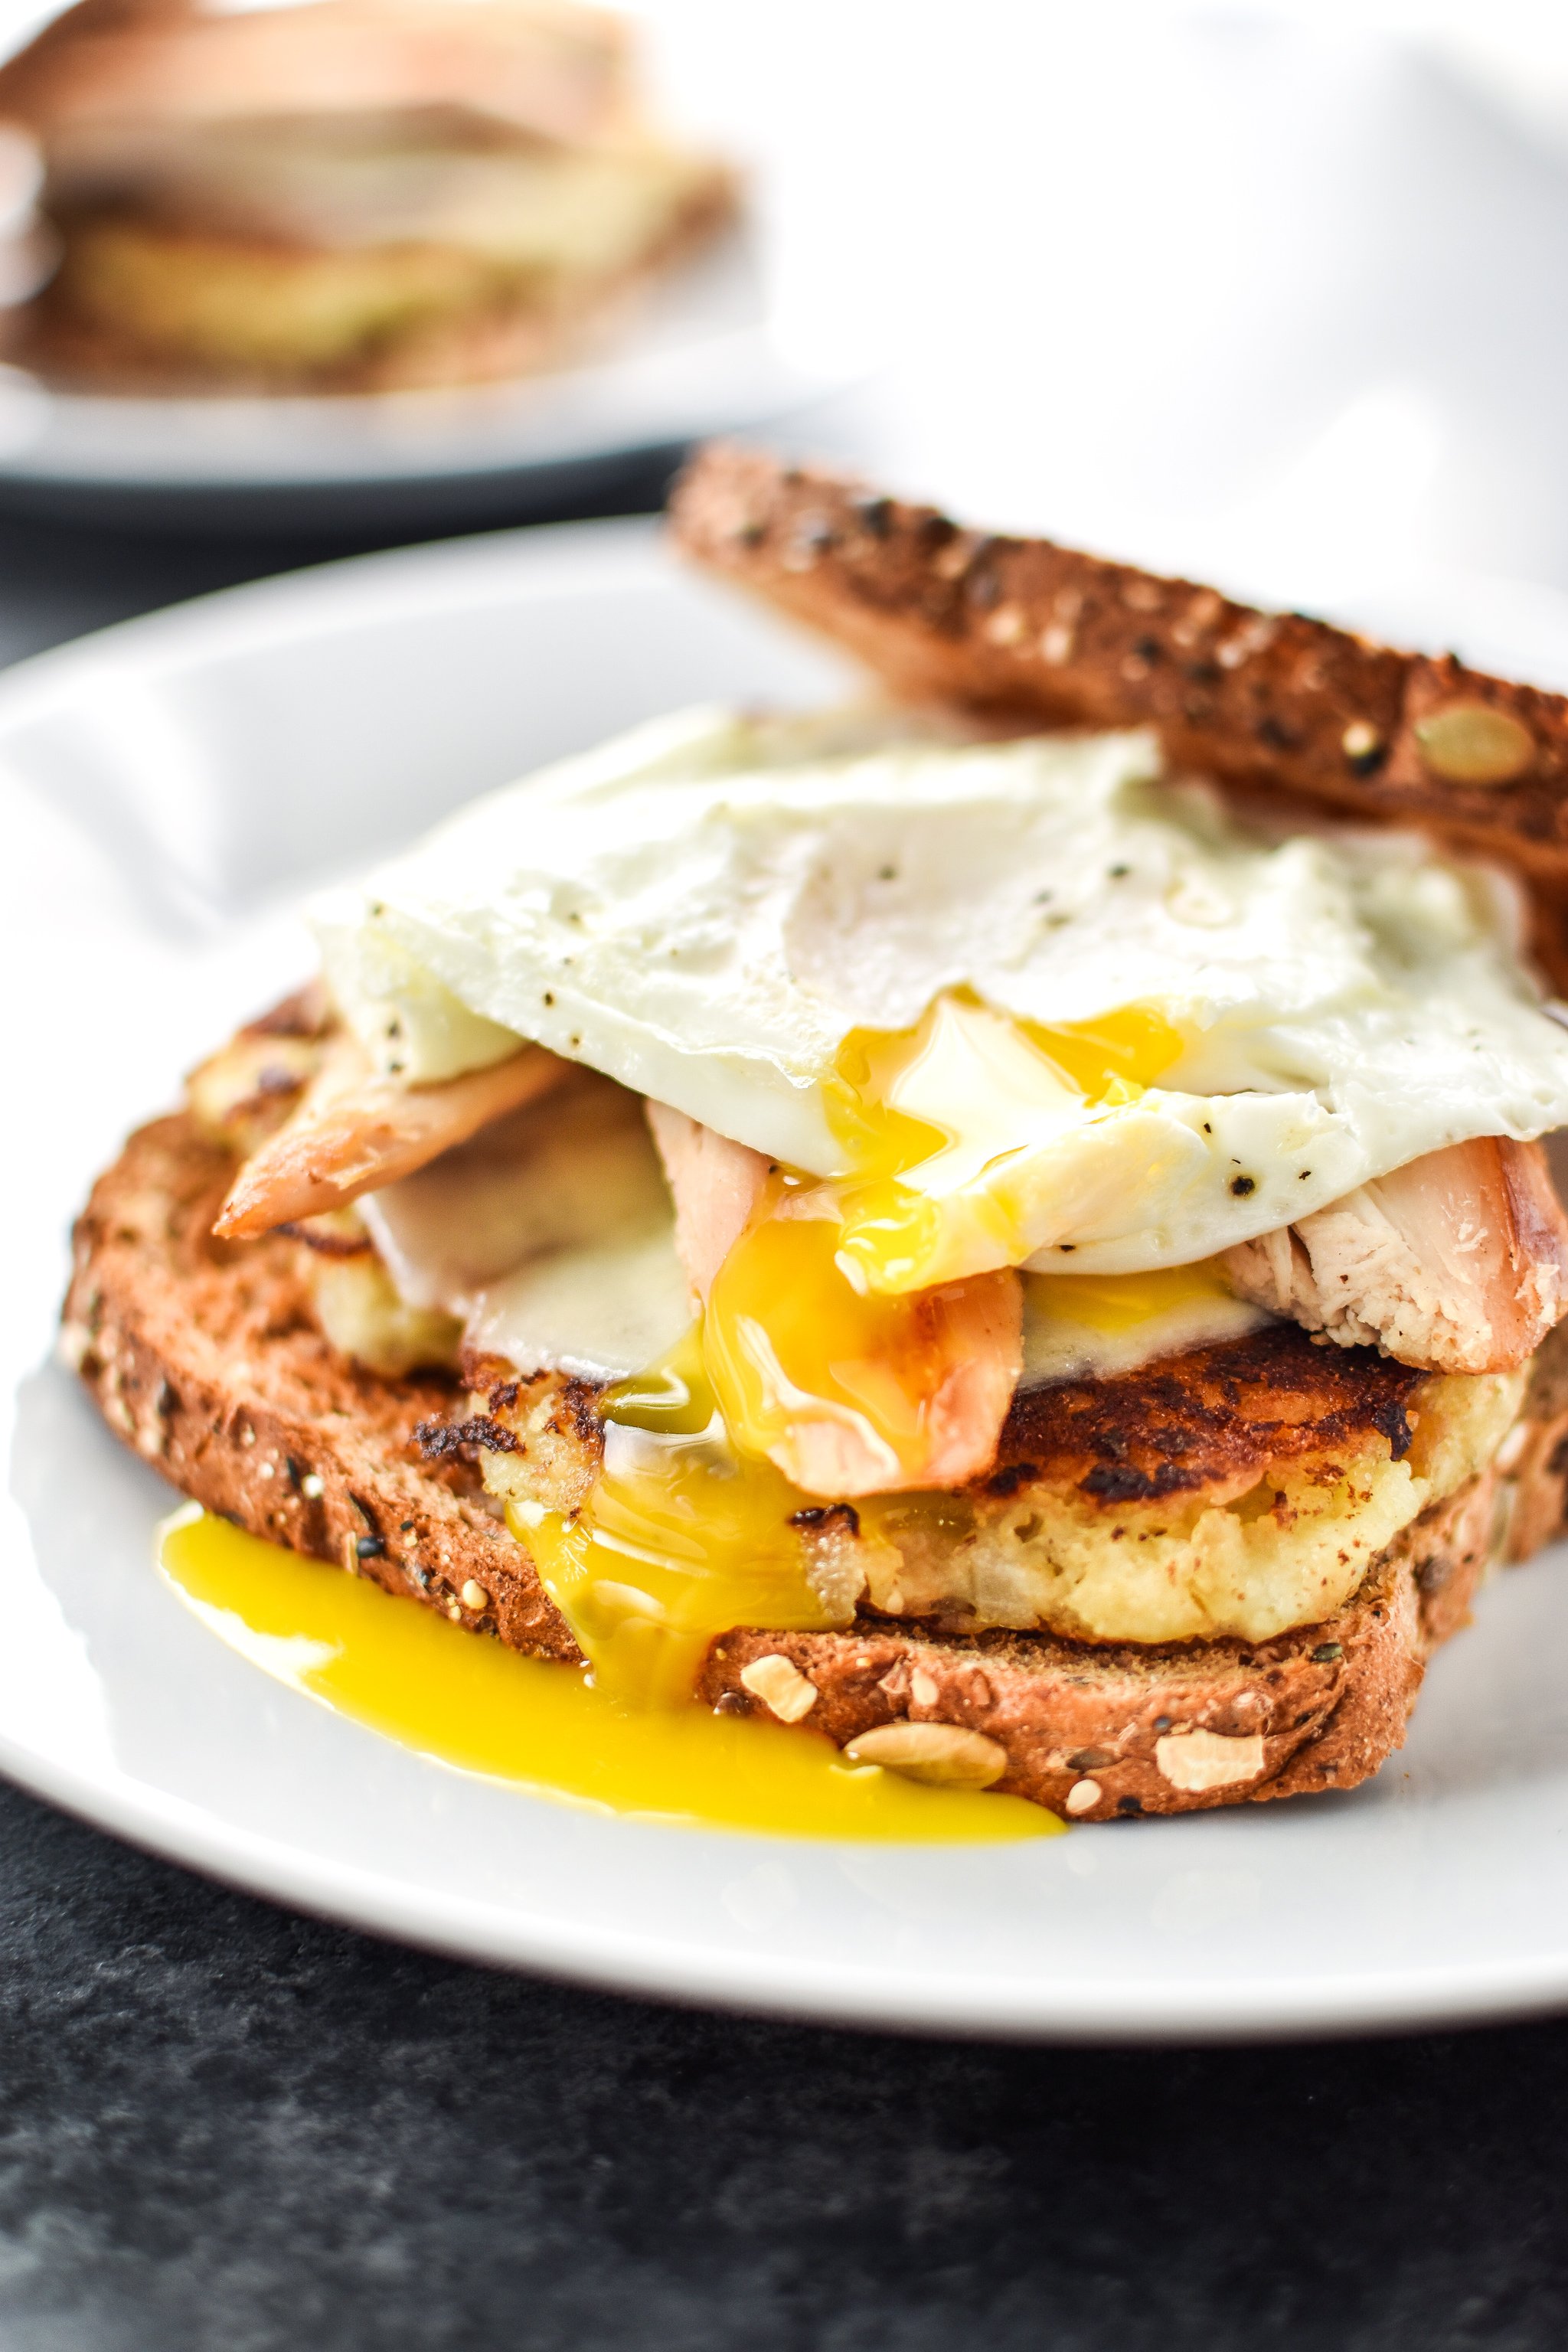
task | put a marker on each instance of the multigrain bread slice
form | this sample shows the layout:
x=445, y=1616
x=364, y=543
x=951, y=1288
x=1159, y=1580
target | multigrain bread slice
x=1024, y=629
x=206, y=1359
x=1164, y=1728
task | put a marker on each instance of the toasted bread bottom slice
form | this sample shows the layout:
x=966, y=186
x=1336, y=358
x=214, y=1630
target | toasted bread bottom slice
x=206, y=1359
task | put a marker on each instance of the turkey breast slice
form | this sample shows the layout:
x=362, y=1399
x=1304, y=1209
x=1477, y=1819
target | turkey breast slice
x=1457, y=1262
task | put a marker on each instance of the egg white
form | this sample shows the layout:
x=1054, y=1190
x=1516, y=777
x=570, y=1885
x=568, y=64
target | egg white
x=706, y=909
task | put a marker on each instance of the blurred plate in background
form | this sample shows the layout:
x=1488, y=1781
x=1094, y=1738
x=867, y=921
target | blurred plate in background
x=701, y=353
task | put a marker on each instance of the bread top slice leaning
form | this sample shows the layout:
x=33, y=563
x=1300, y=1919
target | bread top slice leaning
x=1031, y=632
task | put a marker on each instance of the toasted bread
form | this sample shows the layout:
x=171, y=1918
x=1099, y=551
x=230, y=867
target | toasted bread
x=1263, y=702
x=552, y=68
x=206, y=1356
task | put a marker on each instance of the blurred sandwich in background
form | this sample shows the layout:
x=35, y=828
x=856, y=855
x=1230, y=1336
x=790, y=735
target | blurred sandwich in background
x=341, y=195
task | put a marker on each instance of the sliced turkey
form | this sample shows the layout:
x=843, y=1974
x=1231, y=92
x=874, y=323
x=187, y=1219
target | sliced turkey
x=716, y=1184
x=1457, y=1262
x=352, y=1132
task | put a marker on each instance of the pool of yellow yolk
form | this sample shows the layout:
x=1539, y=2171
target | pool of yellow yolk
x=409, y=1674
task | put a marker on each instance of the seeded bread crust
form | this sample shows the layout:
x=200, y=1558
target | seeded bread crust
x=1083, y=1725
x=205, y=1357
x=1024, y=628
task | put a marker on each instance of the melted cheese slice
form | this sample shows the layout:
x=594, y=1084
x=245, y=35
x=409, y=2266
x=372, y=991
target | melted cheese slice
x=1093, y=1326
x=550, y=1232
x=573, y=1170
x=600, y=1312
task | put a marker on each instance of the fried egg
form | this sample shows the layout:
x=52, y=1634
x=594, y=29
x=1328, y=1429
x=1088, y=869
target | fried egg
x=1027, y=1002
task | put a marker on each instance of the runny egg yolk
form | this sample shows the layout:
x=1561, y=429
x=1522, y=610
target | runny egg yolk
x=850, y=1391
x=682, y=1538
x=942, y=1124
x=691, y=1527
x=827, y=1345
x=838, y=1342
x=686, y=1533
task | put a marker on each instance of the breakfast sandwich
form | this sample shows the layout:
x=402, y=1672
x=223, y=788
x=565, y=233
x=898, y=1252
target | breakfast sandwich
x=1006, y=1227
x=341, y=195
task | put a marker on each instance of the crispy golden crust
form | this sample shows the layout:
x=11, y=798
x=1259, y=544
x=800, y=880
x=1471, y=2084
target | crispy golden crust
x=206, y=1358
x=1214, y=1421
x=1207, y=1423
x=1028, y=629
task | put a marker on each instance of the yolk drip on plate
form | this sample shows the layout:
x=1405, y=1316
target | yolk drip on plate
x=471, y=1704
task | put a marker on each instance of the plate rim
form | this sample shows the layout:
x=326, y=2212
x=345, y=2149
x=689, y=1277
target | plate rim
x=756, y=1983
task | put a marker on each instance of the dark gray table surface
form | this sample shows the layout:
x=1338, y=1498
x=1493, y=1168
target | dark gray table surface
x=224, y=2126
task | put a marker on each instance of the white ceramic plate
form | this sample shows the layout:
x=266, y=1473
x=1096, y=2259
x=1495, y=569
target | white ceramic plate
x=168, y=787
x=703, y=352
